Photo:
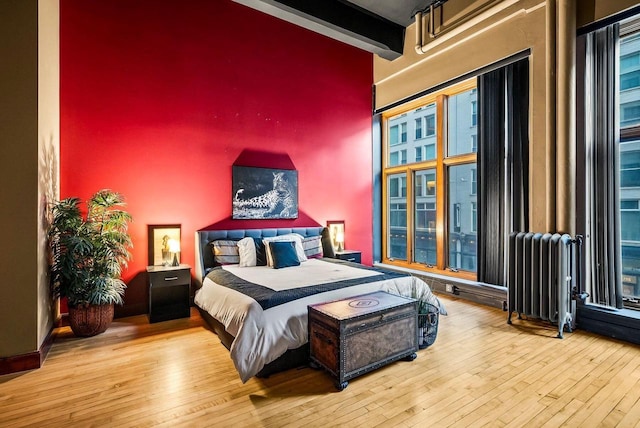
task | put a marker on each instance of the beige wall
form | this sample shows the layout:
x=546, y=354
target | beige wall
x=517, y=28
x=48, y=146
x=520, y=26
x=24, y=314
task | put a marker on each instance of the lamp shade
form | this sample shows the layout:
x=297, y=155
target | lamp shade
x=174, y=246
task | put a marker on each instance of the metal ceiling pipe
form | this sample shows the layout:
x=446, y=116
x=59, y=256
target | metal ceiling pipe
x=550, y=134
x=418, y=18
x=449, y=33
x=432, y=21
x=566, y=116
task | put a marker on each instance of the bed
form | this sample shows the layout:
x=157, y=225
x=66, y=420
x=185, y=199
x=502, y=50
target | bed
x=260, y=312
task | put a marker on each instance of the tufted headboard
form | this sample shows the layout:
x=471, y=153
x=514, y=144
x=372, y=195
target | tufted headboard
x=204, y=255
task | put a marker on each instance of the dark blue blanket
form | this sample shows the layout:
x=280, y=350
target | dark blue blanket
x=268, y=298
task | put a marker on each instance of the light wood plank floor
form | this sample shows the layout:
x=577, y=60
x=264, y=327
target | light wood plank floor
x=479, y=372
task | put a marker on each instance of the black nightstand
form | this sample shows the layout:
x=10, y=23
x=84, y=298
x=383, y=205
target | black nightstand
x=349, y=255
x=169, y=290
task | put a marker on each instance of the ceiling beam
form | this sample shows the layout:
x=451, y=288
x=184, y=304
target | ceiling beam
x=339, y=20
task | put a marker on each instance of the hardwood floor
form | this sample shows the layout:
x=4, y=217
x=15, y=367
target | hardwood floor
x=479, y=372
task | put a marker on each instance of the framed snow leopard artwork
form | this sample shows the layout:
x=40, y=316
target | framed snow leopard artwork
x=264, y=193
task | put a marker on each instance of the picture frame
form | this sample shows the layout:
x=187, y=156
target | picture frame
x=336, y=232
x=158, y=237
x=264, y=193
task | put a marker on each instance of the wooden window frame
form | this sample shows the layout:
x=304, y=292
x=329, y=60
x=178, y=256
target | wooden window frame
x=440, y=165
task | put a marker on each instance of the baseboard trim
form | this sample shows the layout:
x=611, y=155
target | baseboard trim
x=28, y=361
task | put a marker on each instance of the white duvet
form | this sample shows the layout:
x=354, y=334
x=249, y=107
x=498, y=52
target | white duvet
x=261, y=336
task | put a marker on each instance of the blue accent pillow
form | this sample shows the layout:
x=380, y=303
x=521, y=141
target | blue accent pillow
x=284, y=254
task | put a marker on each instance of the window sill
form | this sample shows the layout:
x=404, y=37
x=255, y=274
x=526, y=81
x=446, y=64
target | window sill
x=478, y=292
x=623, y=324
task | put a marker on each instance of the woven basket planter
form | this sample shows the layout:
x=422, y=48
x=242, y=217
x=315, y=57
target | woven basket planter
x=90, y=320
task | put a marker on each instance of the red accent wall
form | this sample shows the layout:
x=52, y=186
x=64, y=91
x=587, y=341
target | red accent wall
x=159, y=98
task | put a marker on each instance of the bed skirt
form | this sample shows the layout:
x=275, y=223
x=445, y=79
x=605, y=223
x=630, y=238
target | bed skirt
x=293, y=358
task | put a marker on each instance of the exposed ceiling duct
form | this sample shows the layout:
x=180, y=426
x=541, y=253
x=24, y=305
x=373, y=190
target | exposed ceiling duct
x=352, y=22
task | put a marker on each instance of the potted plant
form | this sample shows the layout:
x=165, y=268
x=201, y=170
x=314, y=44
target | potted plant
x=88, y=254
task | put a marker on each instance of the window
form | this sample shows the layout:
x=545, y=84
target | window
x=397, y=222
x=431, y=125
x=629, y=220
x=418, y=154
x=474, y=143
x=430, y=151
x=474, y=217
x=393, y=135
x=431, y=225
x=630, y=60
x=630, y=114
x=462, y=121
x=474, y=181
x=418, y=128
x=629, y=164
x=474, y=113
x=403, y=157
x=611, y=71
x=403, y=132
x=630, y=80
x=424, y=236
x=393, y=159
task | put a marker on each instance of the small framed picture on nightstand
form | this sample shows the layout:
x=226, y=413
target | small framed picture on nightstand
x=164, y=244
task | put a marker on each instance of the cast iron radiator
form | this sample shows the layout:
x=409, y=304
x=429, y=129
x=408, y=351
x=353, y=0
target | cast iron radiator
x=543, y=277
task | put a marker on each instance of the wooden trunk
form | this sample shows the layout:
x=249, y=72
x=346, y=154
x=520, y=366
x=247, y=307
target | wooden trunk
x=353, y=336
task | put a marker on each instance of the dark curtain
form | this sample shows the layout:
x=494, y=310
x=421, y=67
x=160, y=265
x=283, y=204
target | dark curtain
x=601, y=142
x=518, y=144
x=503, y=164
x=491, y=131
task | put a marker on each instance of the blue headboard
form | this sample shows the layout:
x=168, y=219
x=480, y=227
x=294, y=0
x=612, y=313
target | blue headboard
x=204, y=256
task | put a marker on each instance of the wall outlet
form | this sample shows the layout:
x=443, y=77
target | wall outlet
x=449, y=288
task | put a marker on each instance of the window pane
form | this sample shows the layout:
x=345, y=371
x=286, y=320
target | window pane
x=424, y=238
x=630, y=269
x=412, y=132
x=430, y=152
x=431, y=125
x=630, y=225
x=629, y=166
x=474, y=181
x=418, y=154
x=393, y=159
x=630, y=80
x=462, y=236
x=397, y=217
x=462, y=122
x=630, y=114
x=393, y=135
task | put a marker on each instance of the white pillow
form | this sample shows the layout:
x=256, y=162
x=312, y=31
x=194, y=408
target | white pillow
x=290, y=237
x=247, y=252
